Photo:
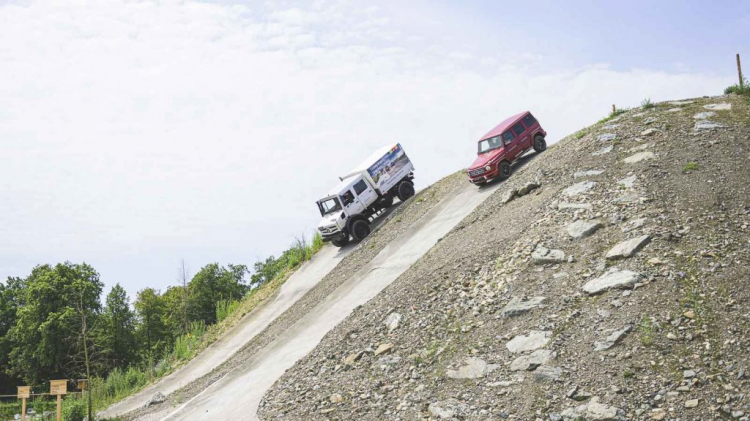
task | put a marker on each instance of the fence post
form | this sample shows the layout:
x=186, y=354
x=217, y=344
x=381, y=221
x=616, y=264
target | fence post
x=614, y=110
x=739, y=71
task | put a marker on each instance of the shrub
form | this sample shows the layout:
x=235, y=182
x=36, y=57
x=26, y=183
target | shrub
x=74, y=409
x=739, y=90
x=647, y=104
x=224, y=308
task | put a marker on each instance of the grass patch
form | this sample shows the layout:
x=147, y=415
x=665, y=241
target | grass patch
x=646, y=104
x=690, y=167
x=627, y=374
x=613, y=114
x=739, y=90
x=647, y=331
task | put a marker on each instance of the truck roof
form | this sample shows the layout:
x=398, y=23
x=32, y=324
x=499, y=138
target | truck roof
x=344, y=184
x=370, y=160
x=505, y=125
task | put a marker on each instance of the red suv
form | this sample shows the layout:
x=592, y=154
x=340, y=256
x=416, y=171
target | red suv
x=504, y=144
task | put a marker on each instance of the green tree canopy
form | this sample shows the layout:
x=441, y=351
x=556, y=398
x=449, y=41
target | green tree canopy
x=118, y=330
x=45, y=337
x=211, y=284
x=152, y=332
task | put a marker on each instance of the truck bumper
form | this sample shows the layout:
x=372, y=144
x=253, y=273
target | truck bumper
x=333, y=237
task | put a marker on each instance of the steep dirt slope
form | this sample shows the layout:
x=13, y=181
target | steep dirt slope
x=512, y=317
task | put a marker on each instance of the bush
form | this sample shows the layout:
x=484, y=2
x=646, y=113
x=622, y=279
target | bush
x=646, y=104
x=739, y=90
x=74, y=409
x=224, y=308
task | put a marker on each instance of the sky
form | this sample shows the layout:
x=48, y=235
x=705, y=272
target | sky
x=136, y=134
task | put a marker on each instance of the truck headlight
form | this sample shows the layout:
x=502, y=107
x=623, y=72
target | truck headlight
x=487, y=168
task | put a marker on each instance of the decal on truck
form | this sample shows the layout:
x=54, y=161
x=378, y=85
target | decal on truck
x=388, y=166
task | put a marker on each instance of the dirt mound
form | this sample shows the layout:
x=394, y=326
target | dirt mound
x=617, y=289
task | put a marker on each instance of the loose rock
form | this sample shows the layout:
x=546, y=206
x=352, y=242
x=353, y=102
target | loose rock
x=533, y=340
x=581, y=229
x=614, y=279
x=627, y=248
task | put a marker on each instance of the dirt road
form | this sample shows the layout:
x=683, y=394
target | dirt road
x=237, y=395
x=293, y=289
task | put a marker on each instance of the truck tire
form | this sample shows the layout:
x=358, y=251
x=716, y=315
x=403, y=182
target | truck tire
x=386, y=202
x=540, y=145
x=341, y=242
x=503, y=170
x=405, y=191
x=360, y=229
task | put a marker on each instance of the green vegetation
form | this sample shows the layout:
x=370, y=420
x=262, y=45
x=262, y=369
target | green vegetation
x=647, y=331
x=739, y=90
x=53, y=325
x=627, y=374
x=615, y=112
x=647, y=104
x=690, y=167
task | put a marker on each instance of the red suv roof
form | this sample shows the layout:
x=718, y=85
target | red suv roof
x=505, y=125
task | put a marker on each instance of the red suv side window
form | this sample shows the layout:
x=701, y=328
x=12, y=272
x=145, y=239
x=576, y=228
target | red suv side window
x=518, y=129
x=529, y=120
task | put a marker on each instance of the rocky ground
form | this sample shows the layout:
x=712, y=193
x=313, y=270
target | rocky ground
x=398, y=221
x=608, y=281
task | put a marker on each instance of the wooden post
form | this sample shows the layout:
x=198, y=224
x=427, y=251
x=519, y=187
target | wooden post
x=59, y=388
x=24, y=392
x=614, y=110
x=739, y=71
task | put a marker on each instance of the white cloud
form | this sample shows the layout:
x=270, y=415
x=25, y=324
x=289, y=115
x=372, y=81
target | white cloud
x=135, y=134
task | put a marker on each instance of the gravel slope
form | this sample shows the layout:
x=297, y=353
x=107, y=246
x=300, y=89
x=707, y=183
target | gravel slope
x=511, y=317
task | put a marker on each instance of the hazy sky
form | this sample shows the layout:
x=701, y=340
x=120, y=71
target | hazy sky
x=134, y=134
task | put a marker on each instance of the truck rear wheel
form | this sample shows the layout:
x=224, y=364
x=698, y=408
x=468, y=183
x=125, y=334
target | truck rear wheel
x=405, y=191
x=540, y=145
x=341, y=242
x=503, y=170
x=386, y=202
x=360, y=229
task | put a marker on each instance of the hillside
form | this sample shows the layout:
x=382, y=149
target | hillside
x=616, y=289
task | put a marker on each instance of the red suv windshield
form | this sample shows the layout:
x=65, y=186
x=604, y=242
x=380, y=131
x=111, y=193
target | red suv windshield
x=490, y=144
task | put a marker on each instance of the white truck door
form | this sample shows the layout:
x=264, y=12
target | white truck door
x=351, y=203
x=365, y=193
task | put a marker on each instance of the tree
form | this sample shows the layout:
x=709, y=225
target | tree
x=10, y=300
x=118, y=330
x=45, y=335
x=211, y=284
x=152, y=332
x=174, y=306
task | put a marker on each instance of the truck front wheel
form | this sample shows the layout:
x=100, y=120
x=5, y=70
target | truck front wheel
x=341, y=242
x=405, y=191
x=360, y=230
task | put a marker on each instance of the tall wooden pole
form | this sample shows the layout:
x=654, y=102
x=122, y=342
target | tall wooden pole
x=59, y=407
x=739, y=71
x=23, y=409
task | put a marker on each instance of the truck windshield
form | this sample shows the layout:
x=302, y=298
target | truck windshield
x=490, y=144
x=329, y=206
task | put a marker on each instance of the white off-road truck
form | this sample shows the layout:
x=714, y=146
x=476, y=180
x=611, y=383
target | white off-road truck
x=370, y=188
